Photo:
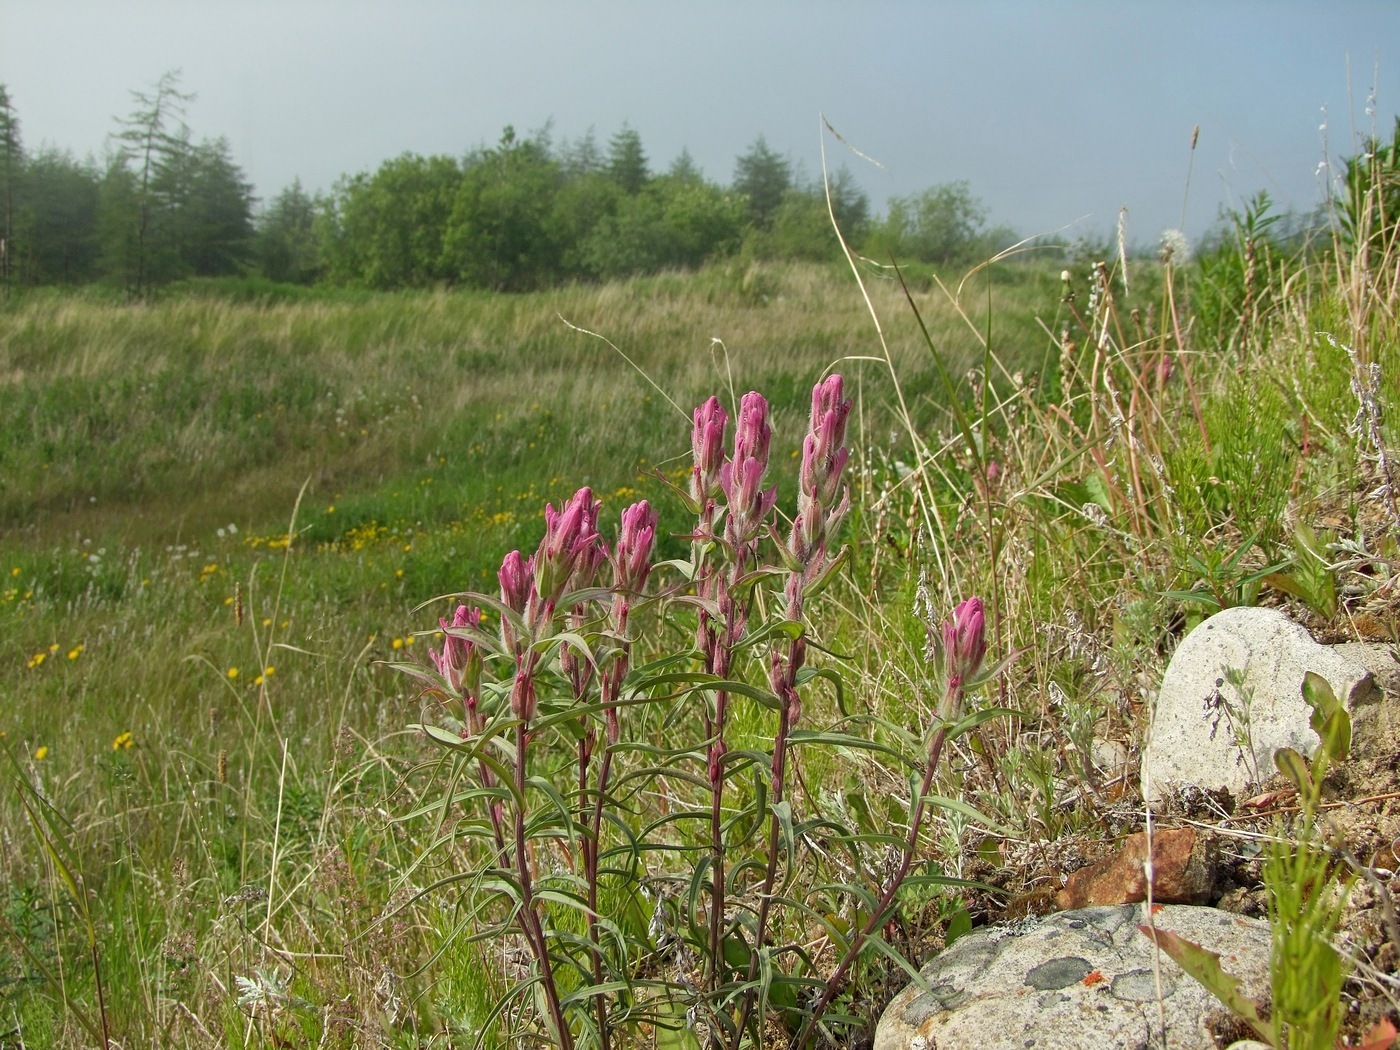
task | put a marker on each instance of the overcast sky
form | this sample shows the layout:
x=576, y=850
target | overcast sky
x=1055, y=112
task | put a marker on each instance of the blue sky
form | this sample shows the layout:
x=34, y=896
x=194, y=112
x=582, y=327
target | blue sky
x=1057, y=114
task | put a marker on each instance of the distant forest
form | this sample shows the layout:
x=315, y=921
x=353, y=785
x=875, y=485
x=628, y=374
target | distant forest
x=521, y=214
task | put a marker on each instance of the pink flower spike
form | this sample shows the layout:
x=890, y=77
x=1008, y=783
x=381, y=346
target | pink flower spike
x=592, y=550
x=459, y=655
x=749, y=504
x=752, y=433
x=517, y=578
x=631, y=558
x=965, y=641
x=823, y=453
x=829, y=412
x=460, y=663
x=707, y=445
x=568, y=535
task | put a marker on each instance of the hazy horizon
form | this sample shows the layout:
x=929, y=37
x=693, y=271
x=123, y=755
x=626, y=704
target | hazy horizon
x=1057, y=115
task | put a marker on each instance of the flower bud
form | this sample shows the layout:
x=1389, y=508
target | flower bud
x=707, y=445
x=631, y=557
x=821, y=500
x=517, y=578
x=964, y=642
x=522, y=696
x=568, y=535
x=593, y=551
x=715, y=763
x=742, y=477
x=824, y=455
x=752, y=433
x=749, y=504
x=460, y=661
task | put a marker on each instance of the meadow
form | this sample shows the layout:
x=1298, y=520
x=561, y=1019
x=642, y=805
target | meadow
x=220, y=514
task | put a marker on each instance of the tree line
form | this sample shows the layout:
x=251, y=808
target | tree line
x=522, y=213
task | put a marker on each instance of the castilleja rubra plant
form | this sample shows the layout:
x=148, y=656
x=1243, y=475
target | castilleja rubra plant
x=629, y=916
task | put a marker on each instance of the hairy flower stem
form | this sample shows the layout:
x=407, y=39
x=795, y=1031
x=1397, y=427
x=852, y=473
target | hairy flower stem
x=498, y=829
x=591, y=819
x=785, y=675
x=611, y=687
x=708, y=639
x=720, y=665
x=528, y=916
x=879, y=913
x=591, y=858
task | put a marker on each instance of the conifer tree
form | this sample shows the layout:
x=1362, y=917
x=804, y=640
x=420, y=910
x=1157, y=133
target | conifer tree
x=154, y=138
x=11, y=165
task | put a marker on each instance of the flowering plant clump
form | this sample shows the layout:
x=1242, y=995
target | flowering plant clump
x=644, y=859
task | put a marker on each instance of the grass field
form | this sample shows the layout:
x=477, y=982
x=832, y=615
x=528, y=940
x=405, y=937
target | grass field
x=218, y=518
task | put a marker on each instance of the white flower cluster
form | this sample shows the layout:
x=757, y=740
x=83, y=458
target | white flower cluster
x=1176, y=249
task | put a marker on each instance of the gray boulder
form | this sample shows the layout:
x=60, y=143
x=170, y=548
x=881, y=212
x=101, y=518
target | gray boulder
x=1232, y=695
x=1075, y=979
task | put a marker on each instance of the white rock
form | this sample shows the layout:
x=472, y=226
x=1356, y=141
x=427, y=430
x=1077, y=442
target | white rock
x=1211, y=733
x=1072, y=980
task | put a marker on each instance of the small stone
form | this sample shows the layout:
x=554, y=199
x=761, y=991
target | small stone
x=1183, y=872
x=1232, y=695
x=1110, y=757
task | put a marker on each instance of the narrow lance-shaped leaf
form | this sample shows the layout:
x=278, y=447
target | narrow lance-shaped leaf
x=1204, y=966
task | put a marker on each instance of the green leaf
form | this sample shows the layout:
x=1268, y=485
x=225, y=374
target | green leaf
x=782, y=813
x=1097, y=491
x=844, y=740
x=828, y=574
x=736, y=953
x=1329, y=719
x=957, y=805
x=1295, y=767
x=445, y=737
x=57, y=854
x=1204, y=966
x=790, y=630
x=960, y=925
x=975, y=718
x=1288, y=585
x=1245, y=546
x=1336, y=734
x=1204, y=598
x=806, y=674
x=671, y=1032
